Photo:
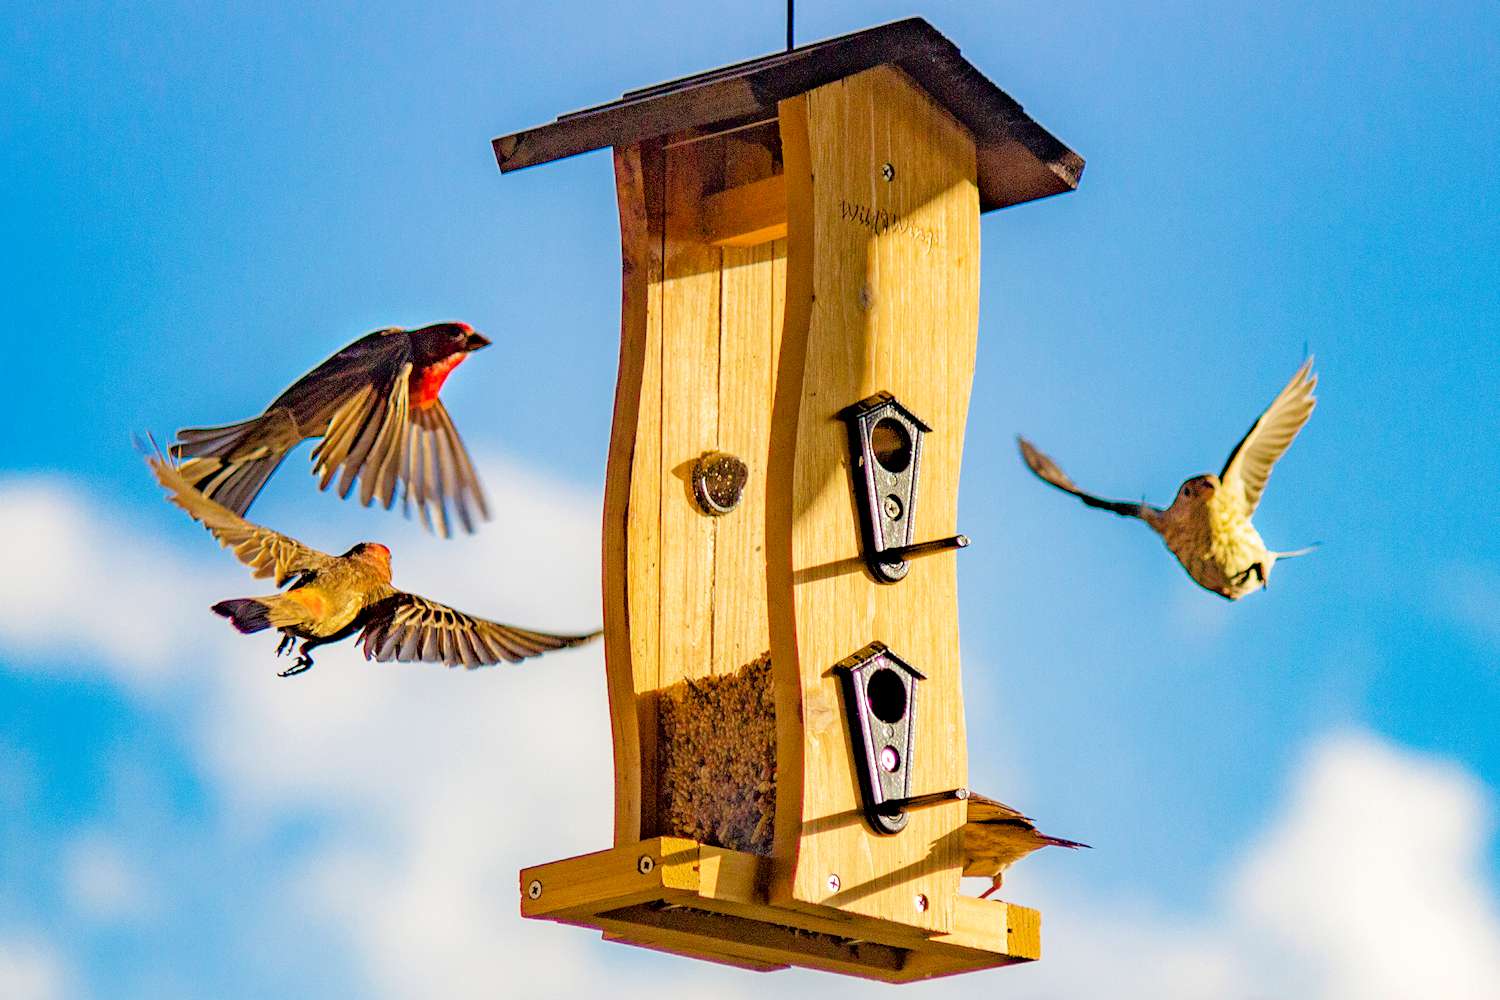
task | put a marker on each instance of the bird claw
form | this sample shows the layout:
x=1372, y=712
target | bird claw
x=286, y=644
x=299, y=666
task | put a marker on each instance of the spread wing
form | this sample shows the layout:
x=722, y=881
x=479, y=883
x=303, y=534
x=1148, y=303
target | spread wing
x=266, y=552
x=1048, y=471
x=435, y=467
x=359, y=400
x=1249, y=466
x=409, y=628
x=377, y=436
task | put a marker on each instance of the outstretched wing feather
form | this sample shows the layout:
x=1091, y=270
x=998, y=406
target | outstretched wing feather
x=1249, y=466
x=406, y=627
x=1049, y=472
x=266, y=552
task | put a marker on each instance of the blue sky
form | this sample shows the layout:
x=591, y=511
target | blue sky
x=202, y=203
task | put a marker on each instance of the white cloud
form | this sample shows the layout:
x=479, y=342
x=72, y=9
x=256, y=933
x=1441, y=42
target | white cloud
x=31, y=969
x=1367, y=882
x=1374, y=877
x=101, y=880
x=77, y=581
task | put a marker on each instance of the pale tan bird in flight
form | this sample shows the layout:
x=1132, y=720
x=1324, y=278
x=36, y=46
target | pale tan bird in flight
x=997, y=836
x=1208, y=526
x=333, y=597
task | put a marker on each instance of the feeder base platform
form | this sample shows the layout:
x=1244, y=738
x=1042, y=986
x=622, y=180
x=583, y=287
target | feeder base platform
x=676, y=895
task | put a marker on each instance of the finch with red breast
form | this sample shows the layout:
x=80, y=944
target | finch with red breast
x=375, y=405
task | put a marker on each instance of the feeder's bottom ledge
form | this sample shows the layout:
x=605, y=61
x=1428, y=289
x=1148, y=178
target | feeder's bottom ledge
x=676, y=895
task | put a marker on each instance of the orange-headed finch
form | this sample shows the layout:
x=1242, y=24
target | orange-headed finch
x=333, y=597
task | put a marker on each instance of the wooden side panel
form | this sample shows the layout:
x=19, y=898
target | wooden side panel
x=685, y=592
x=884, y=271
x=632, y=492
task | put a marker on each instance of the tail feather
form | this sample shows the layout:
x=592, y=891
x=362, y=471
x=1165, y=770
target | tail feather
x=1298, y=552
x=235, y=484
x=1060, y=842
x=231, y=464
x=246, y=614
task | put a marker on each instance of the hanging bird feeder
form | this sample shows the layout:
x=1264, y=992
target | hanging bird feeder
x=800, y=243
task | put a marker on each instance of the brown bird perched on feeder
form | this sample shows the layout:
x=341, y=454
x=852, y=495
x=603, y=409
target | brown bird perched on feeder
x=332, y=597
x=997, y=836
x=1208, y=526
x=375, y=405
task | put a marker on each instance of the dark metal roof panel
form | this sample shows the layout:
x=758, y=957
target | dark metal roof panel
x=1018, y=159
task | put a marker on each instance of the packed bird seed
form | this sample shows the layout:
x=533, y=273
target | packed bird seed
x=716, y=745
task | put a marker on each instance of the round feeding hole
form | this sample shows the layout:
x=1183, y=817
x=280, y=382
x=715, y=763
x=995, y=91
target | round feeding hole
x=887, y=695
x=892, y=444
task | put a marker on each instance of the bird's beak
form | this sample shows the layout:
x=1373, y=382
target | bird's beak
x=476, y=341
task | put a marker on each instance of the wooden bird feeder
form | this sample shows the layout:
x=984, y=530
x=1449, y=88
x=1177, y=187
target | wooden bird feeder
x=800, y=243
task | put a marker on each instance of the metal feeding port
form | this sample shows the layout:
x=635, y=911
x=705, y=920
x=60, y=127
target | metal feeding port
x=880, y=699
x=885, y=447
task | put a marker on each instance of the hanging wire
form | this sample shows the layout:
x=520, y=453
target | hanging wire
x=789, y=11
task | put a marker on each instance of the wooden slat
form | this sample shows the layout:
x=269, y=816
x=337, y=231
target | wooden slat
x=889, y=270
x=581, y=886
x=689, y=422
x=747, y=215
x=795, y=290
x=746, y=344
x=703, y=949
x=732, y=876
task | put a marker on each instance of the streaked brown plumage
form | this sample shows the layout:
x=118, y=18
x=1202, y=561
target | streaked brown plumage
x=332, y=597
x=1208, y=526
x=375, y=405
x=997, y=836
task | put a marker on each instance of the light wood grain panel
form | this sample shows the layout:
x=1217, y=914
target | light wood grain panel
x=889, y=269
x=746, y=215
x=745, y=377
x=746, y=334
x=689, y=423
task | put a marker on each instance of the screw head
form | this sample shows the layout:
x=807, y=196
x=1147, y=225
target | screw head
x=888, y=171
x=892, y=507
x=645, y=864
x=534, y=890
x=834, y=883
x=920, y=902
x=889, y=759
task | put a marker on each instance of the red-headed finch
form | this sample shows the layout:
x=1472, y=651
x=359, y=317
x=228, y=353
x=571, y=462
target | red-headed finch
x=333, y=597
x=1208, y=526
x=375, y=405
x=997, y=836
